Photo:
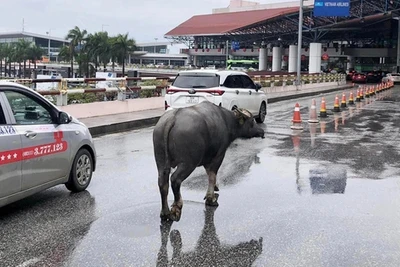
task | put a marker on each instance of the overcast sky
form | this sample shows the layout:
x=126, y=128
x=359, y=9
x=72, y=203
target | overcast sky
x=144, y=20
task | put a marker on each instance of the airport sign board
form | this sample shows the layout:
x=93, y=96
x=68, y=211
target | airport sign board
x=332, y=8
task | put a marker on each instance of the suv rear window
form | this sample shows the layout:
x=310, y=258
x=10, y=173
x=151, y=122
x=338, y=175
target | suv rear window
x=196, y=81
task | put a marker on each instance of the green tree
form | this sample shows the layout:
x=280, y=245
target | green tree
x=22, y=48
x=76, y=36
x=121, y=47
x=3, y=56
x=35, y=53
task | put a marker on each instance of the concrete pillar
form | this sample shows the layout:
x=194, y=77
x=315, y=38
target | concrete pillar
x=350, y=63
x=276, y=59
x=129, y=59
x=383, y=60
x=195, y=60
x=315, y=58
x=292, y=58
x=263, y=59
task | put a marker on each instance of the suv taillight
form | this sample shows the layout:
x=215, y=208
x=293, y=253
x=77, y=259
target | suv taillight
x=172, y=91
x=218, y=92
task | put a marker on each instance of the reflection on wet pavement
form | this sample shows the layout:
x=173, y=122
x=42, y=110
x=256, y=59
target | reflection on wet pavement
x=208, y=250
x=43, y=229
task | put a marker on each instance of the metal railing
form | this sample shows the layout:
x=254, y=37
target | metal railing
x=134, y=85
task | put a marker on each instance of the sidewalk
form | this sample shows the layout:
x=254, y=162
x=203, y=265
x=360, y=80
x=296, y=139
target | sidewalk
x=113, y=123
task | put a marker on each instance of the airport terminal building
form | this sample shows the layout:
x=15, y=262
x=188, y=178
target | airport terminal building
x=366, y=39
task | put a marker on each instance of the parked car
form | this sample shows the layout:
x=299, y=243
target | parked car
x=359, y=78
x=394, y=77
x=374, y=77
x=40, y=146
x=349, y=76
x=225, y=88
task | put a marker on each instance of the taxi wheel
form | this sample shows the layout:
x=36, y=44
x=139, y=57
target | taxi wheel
x=81, y=172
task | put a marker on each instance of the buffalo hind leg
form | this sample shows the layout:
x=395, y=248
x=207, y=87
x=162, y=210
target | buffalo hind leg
x=163, y=184
x=182, y=172
x=211, y=197
x=212, y=170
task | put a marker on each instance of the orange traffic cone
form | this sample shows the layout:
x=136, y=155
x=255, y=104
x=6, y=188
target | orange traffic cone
x=313, y=113
x=358, y=99
x=322, y=111
x=351, y=98
x=361, y=93
x=336, y=107
x=344, y=102
x=296, y=118
x=372, y=92
x=367, y=93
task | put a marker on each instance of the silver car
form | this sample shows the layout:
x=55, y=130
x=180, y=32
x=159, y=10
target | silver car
x=40, y=146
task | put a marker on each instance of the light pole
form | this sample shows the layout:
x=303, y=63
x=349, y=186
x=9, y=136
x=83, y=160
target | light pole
x=48, y=44
x=155, y=45
x=299, y=44
x=102, y=27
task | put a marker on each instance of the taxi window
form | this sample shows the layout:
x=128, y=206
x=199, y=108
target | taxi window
x=2, y=117
x=26, y=110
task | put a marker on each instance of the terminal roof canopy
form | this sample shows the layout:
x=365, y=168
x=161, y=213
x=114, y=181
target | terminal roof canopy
x=222, y=23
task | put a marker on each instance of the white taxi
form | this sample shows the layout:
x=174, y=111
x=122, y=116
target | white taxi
x=225, y=88
x=40, y=146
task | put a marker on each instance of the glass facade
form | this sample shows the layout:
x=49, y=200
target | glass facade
x=15, y=40
x=158, y=49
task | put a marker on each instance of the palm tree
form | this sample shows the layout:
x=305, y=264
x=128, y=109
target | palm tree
x=34, y=53
x=22, y=50
x=76, y=37
x=65, y=53
x=7, y=50
x=121, y=47
x=2, y=56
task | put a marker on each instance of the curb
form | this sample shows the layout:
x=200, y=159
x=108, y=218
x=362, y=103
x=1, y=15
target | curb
x=119, y=127
x=97, y=131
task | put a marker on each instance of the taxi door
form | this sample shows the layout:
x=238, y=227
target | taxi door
x=45, y=151
x=10, y=156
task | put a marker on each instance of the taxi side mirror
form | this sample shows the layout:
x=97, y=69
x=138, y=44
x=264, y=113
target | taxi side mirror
x=258, y=86
x=64, y=118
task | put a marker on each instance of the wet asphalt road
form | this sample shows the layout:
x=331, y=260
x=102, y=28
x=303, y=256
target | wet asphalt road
x=328, y=196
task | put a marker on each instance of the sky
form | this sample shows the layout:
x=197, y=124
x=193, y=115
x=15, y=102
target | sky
x=144, y=20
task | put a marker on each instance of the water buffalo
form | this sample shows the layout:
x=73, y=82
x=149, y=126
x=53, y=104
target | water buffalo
x=195, y=136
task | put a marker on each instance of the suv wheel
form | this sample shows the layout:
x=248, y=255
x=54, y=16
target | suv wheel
x=262, y=113
x=81, y=172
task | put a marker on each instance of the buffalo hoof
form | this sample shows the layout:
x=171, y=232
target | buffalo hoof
x=216, y=188
x=212, y=201
x=164, y=215
x=176, y=212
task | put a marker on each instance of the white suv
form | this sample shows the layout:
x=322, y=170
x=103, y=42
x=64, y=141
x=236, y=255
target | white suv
x=225, y=88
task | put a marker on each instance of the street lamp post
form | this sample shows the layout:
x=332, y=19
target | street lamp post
x=48, y=43
x=299, y=44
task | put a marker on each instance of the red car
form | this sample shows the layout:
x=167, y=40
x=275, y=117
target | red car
x=359, y=78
